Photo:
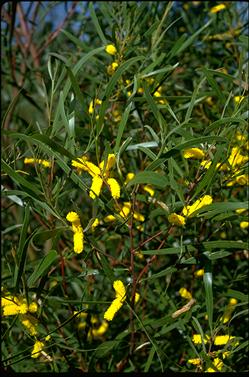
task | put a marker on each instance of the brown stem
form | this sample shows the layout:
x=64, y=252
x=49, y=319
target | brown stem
x=54, y=34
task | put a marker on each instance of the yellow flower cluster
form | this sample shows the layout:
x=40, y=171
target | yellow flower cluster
x=13, y=305
x=219, y=340
x=146, y=188
x=195, y=153
x=93, y=104
x=199, y=273
x=202, y=202
x=188, y=211
x=93, y=331
x=112, y=68
x=111, y=49
x=184, y=293
x=238, y=99
x=244, y=224
x=31, y=323
x=100, y=175
x=38, y=349
x=126, y=209
x=118, y=301
x=45, y=163
x=78, y=237
x=217, y=363
x=217, y=8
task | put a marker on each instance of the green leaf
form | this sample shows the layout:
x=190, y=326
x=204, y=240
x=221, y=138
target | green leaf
x=217, y=208
x=21, y=181
x=121, y=126
x=238, y=295
x=41, y=237
x=96, y=24
x=217, y=254
x=213, y=84
x=43, y=267
x=104, y=348
x=149, y=359
x=73, y=39
x=149, y=177
x=168, y=270
x=183, y=42
x=22, y=248
x=208, y=283
x=170, y=250
x=192, y=143
x=225, y=245
x=224, y=121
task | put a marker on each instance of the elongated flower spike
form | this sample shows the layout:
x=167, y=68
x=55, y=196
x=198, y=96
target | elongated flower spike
x=100, y=175
x=32, y=161
x=117, y=303
x=78, y=237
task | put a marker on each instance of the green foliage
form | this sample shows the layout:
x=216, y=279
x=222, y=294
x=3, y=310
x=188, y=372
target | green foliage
x=179, y=82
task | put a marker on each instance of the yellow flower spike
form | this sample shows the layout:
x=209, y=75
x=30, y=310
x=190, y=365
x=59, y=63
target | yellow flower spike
x=140, y=90
x=113, y=309
x=109, y=218
x=118, y=302
x=38, y=347
x=105, y=167
x=217, y=8
x=112, y=68
x=12, y=306
x=95, y=224
x=204, y=201
x=129, y=177
x=240, y=136
x=48, y=337
x=233, y=301
x=23, y=309
x=96, y=186
x=236, y=158
x=228, y=311
x=78, y=239
x=138, y=216
x=184, y=293
x=196, y=338
x=33, y=307
x=199, y=273
x=45, y=163
x=120, y=290
x=242, y=179
x=114, y=188
x=176, y=219
x=220, y=340
x=140, y=228
x=240, y=210
x=100, y=174
x=238, y=99
x=111, y=49
x=125, y=210
x=194, y=361
x=101, y=330
x=217, y=363
x=149, y=189
x=244, y=224
x=73, y=217
x=195, y=153
x=137, y=297
x=92, y=105
x=30, y=323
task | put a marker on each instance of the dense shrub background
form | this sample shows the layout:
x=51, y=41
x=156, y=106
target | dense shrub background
x=54, y=63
